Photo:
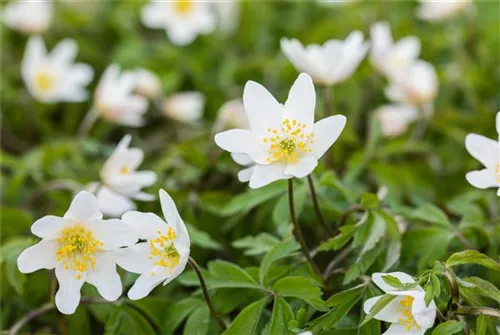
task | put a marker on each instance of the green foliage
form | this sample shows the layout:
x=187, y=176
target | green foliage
x=448, y=328
x=472, y=257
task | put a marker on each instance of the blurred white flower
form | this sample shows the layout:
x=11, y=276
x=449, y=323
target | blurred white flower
x=434, y=11
x=306, y=333
x=183, y=20
x=486, y=151
x=408, y=313
x=184, y=107
x=53, y=77
x=283, y=140
x=388, y=56
x=79, y=246
x=28, y=17
x=148, y=84
x=337, y=2
x=330, y=63
x=228, y=14
x=416, y=84
x=394, y=119
x=165, y=253
x=115, y=101
x=231, y=115
x=248, y=164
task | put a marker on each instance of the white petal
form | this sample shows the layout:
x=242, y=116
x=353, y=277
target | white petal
x=84, y=207
x=181, y=35
x=242, y=141
x=395, y=118
x=404, y=278
x=145, y=225
x=147, y=282
x=105, y=278
x=303, y=167
x=174, y=219
x=113, y=233
x=301, y=101
x=424, y=315
x=498, y=123
x=398, y=329
x=326, y=132
x=266, y=174
x=241, y=159
x=262, y=109
x=68, y=296
x=135, y=258
x=483, y=149
x=39, y=256
x=390, y=313
x=142, y=196
x=246, y=174
x=64, y=52
x=49, y=226
x=482, y=179
x=153, y=15
x=113, y=204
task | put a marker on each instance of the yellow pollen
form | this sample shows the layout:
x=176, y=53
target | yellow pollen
x=289, y=142
x=44, y=81
x=163, y=250
x=407, y=317
x=183, y=7
x=498, y=173
x=77, y=246
x=125, y=170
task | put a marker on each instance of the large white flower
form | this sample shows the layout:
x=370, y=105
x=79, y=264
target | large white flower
x=148, y=84
x=184, y=107
x=52, y=77
x=431, y=10
x=330, y=63
x=487, y=151
x=408, y=312
x=389, y=56
x=79, y=246
x=115, y=101
x=28, y=17
x=183, y=20
x=231, y=115
x=283, y=140
x=165, y=253
x=394, y=119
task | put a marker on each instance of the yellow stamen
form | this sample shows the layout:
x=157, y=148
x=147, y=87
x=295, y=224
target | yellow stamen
x=289, y=142
x=163, y=250
x=44, y=81
x=183, y=7
x=407, y=317
x=125, y=170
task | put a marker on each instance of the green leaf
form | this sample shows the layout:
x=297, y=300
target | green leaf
x=484, y=325
x=201, y=238
x=225, y=274
x=279, y=251
x=472, y=257
x=114, y=322
x=448, y=328
x=256, y=245
x=377, y=231
x=482, y=287
x=432, y=214
x=396, y=283
x=281, y=317
x=372, y=327
x=377, y=307
x=363, y=264
x=281, y=212
x=337, y=242
x=9, y=252
x=369, y=201
x=177, y=312
x=301, y=288
x=247, y=321
x=198, y=322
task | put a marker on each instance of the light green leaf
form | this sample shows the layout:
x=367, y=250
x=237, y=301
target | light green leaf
x=472, y=257
x=301, y=288
x=256, y=245
x=337, y=242
x=198, y=322
x=484, y=325
x=9, y=252
x=369, y=201
x=281, y=317
x=377, y=231
x=482, y=287
x=252, y=198
x=279, y=251
x=202, y=239
x=432, y=214
x=225, y=274
x=247, y=321
x=177, y=312
x=448, y=328
x=363, y=264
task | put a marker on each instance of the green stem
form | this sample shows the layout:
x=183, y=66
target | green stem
x=87, y=123
x=461, y=310
x=316, y=206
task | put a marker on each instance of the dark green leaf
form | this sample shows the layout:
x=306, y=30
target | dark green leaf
x=247, y=321
x=337, y=242
x=301, y=288
x=448, y=328
x=281, y=317
x=432, y=214
x=279, y=251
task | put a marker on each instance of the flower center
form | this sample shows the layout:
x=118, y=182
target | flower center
x=125, y=170
x=77, y=246
x=44, y=81
x=407, y=317
x=183, y=7
x=287, y=144
x=164, y=251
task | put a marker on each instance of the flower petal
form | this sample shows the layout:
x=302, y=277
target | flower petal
x=424, y=315
x=482, y=179
x=113, y=204
x=105, y=278
x=390, y=313
x=68, y=296
x=242, y=141
x=49, y=226
x=64, y=52
x=84, y=207
x=301, y=101
x=246, y=174
x=174, y=219
x=266, y=174
x=399, y=329
x=147, y=282
x=326, y=132
x=135, y=258
x=378, y=279
x=146, y=225
x=498, y=123
x=262, y=109
x=113, y=233
x=241, y=159
x=39, y=256
x=303, y=167
x=483, y=149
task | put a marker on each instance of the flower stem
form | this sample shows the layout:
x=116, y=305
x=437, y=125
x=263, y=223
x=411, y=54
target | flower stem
x=455, y=294
x=316, y=206
x=87, y=123
x=298, y=232
x=327, y=101
x=461, y=310
x=197, y=269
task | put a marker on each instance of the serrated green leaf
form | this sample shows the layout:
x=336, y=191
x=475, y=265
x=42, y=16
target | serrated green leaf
x=301, y=288
x=337, y=242
x=279, y=251
x=247, y=321
x=448, y=328
x=472, y=257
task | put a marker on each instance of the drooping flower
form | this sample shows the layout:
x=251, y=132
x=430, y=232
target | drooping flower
x=231, y=115
x=408, y=312
x=389, y=56
x=79, y=246
x=28, y=17
x=394, y=119
x=165, y=253
x=53, y=77
x=486, y=151
x=435, y=11
x=182, y=20
x=148, y=84
x=115, y=101
x=184, y=107
x=283, y=140
x=330, y=63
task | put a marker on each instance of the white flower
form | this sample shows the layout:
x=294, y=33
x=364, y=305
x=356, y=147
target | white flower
x=330, y=63
x=55, y=77
x=29, y=17
x=245, y=161
x=228, y=13
x=416, y=84
x=283, y=140
x=388, y=56
x=231, y=115
x=165, y=253
x=487, y=151
x=408, y=312
x=184, y=107
x=431, y=10
x=183, y=20
x=394, y=119
x=148, y=84
x=112, y=204
x=114, y=99
x=79, y=246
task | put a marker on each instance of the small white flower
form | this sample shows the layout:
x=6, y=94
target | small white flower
x=434, y=11
x=114, y=99
x=228, y=14
x=148, y=84
x=184, y=107
x=487, y=151
x=408, y=312
x=28, y=17
x=231, y=115
x=283, y=140
x=388, y=56
x=416, y=84
x=183, y=20
x=165, y=254
x=79, y=246
x=55, y=77
x=394, y=119
x=330, y=63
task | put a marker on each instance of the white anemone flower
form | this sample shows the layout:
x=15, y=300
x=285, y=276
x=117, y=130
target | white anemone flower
x=389, y=56
x=28, y=17
x=330, y=63
x=148, y=84
x=115, y=101
x=486, y=151
x=283, y=140
x=165, y=253
x=54, y=77
x=185, y=107
x=394, y=119
x=231, y=115
x=435, y=11
x=79, y=246
x=407, y=313
x=182, y=20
